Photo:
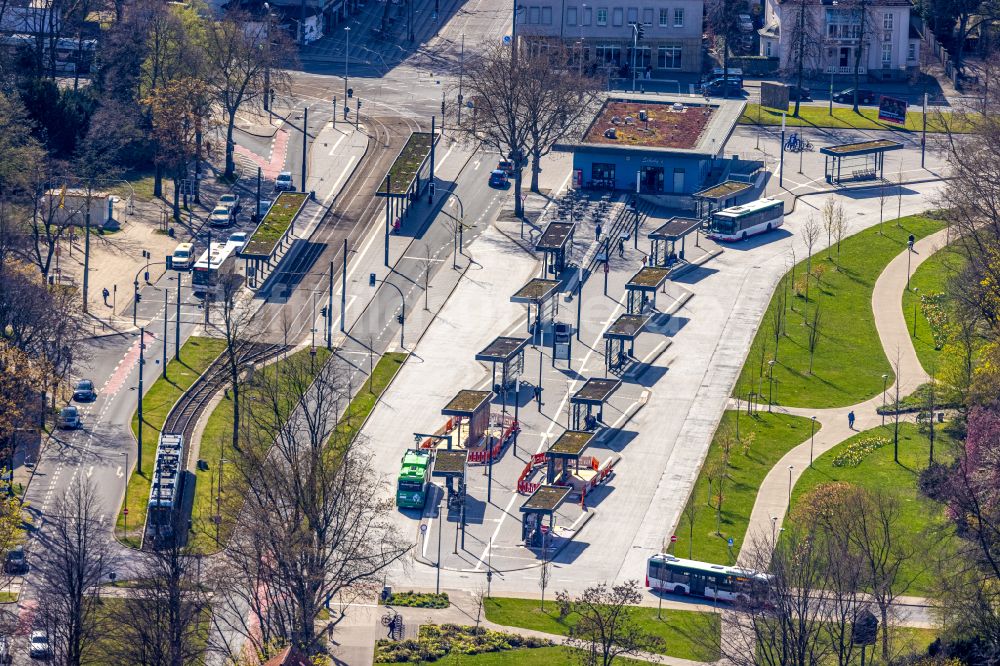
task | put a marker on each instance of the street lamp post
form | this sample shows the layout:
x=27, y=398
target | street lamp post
x=790, y=469
x=770, y=384
x=125, y=500
x=347, y=47
x=267, y=60
x=402, y=313
x=774, y=528
x=458, y=235
x=885, y=382
x=916, y=293
x=812, y=440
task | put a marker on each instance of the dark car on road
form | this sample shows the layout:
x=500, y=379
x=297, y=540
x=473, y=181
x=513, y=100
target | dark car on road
x=801, y=94
x=498, y=178
x=865, y=96
x=16, y=563
x=84, y=391
x=728, y=87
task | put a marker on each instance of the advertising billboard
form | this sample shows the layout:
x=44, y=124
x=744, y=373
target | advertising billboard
x=892, y=110
x=774, y=95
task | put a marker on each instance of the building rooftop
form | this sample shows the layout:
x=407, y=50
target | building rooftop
x=672, y=123
x=571, y=443
x=503, y=348
x=546, y=499
x=596, y=391
x=555, y=235
x=536, y=290
x=627, y=326
x=648, y=278
x=675, y=228
x=450, y=462
x=723, y=190
x=467, y=402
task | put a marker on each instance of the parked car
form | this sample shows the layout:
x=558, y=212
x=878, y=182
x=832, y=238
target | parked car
x=716, y=73
x=498, y=178
x=39, y=647
x=746, y=23
x=729, y=87
x=84, y=391
x=16, y=563
x=5, y=656
x=263, y=205
x=220, y=217
x=507, y=167
x=283, y=183
x=69, y=418
x=182, y=256
x=865, y=96
x=239, y=239
x=232, y=201
x=796, y=93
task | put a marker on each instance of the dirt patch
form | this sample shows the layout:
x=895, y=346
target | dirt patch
x=664, y=127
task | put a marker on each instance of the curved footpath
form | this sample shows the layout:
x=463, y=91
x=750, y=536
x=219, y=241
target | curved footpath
x=772, y=496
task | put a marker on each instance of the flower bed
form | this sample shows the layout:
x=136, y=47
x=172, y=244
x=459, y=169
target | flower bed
x=855, y=454
x=279, y=217
x=437, y=641
x=417, y=600
x=933, y=308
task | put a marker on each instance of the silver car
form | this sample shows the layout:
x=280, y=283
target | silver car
x=38, y=647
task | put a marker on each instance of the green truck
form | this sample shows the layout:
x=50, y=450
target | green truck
x=414, y=479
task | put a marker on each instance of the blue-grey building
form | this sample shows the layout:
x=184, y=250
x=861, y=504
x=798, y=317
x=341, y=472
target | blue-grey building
x=664, y=147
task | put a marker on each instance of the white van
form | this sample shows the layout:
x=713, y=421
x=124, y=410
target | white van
x=182, y=257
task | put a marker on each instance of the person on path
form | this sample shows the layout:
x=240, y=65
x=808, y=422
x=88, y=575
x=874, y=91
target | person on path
x=850, y=420
x=597, y=230
x=621, y=247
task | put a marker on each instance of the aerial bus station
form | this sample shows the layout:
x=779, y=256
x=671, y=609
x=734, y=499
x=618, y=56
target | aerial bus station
x=853, y=162
x=552, y=244
x=663, y=241
x=722, y=195
x=472, y=426
x=619, y=340
x=538, y=515
x=538, y=292
x=587, y=404
x=508, y=353
x=641, y=288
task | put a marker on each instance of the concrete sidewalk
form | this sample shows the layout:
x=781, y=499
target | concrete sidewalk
x=772, y=497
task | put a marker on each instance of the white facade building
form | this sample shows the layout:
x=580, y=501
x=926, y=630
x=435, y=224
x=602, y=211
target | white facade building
x=889, y=38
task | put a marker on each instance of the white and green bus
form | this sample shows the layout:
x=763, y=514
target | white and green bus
x=741, y=222
x=666, y=573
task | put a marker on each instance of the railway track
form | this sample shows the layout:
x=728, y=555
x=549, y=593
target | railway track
x=185, y=413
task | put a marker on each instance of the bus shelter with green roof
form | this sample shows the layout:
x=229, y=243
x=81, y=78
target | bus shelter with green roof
x=564, y=453
x=640, y=290
x=663, y=241
x=538, y=514
x=852, y=162
x=538, y=292
x=452, y=466
x=722, y=195
x=508, y=353
x=552, y=243
x=619, y=340
x=470, y=414
x=590, y=398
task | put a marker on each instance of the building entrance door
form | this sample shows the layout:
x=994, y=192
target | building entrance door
x=652, y=179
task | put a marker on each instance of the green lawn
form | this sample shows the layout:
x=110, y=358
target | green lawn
x=685, y=633
x=109, y=640
x=844, y=117
x=770, y=436
x=196, y=355
x=215, y=444
x=919, y=516
x=849, y=360
x=928, y=281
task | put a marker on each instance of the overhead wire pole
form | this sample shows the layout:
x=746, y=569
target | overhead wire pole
x=305, y=144
x=329, y=310
x=343, y=291
x=177, y=324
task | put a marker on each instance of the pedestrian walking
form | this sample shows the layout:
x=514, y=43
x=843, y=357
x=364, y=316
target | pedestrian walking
x=850, y=420
x=597, y=230
x=621, y=247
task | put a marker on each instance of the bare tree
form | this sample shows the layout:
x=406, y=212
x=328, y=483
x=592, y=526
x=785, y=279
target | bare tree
x=810, y=234
x=237, y=65
x=723, y=24
x=829, y=215
x=162, y=621
x=76, y=553
x=778, y=315
x=544, y=575
x=240, y=335
x=805, y=38
x=607, y=627
x=813, y=340
x=498, y=91
x=558, y=99
x=314, y=516
x=840, y=229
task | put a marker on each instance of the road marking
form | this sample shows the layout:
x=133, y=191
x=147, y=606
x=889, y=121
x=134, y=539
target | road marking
x=335, y=144
x=340, y=178
x=119, y=472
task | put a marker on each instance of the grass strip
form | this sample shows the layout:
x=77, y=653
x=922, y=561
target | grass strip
x=404, y=168
x=922, y=522
x=686, y=634
x=844, y=117
x=546, y=656
x=929, y=293
x=275, y=223
x=764, y=438
x=215, y=444
x=849, y=361
x=195, y=357
x=368, y=395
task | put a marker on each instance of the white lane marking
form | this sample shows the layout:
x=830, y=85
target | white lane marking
x=336, y=185
x=335, y=144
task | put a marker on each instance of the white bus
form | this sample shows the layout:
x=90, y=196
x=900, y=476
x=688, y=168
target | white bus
x=667, y=573
x=213, y=267
x=740, y=222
